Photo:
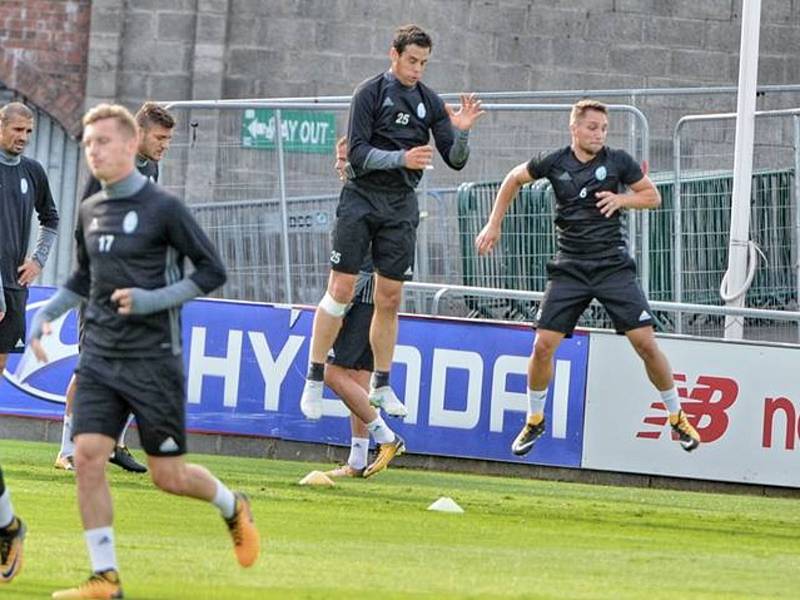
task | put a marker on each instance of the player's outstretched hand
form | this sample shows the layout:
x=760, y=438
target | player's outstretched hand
x=467, y=114
x=419, y=157
x=487, y=238
x=36, y=343
x=124, y=299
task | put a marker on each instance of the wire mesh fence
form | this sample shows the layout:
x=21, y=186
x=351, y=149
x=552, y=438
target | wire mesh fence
x=269, y=203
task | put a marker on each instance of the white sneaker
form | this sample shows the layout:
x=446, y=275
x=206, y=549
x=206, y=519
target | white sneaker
x=385, y=398
x=311, y=400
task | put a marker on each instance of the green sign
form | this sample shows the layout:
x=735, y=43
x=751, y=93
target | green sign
x=302, y=131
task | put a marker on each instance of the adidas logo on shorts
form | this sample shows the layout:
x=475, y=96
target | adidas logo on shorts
x=168, y=445
x=644, y=316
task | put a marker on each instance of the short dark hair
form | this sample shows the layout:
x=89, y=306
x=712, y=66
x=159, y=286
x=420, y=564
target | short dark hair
x=152, y=113
x=15, y=109
x=411, y=34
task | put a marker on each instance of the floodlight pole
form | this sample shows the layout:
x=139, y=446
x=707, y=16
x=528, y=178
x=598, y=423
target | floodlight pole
x=738, y=245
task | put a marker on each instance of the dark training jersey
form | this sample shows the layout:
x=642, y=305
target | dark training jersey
x=581, y=228
x=23, y=188
x=148, y=168
x=139, y=241
x=387, y=115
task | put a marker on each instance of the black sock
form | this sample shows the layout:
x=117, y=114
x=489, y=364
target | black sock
x=379, y=379
x=316, y=372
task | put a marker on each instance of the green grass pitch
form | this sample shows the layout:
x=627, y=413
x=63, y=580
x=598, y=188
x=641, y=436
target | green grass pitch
x=374, y=538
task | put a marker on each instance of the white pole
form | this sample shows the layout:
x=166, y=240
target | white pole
x=743, y=163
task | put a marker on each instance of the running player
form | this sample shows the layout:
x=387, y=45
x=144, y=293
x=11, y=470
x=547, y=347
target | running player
x=156, y=127
x=131, y=240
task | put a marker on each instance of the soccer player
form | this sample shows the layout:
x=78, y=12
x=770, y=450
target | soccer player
x=131, y=240
x=592, y=261
x=391, y=118
x=23, y=189
x=12, y=532
x=156, y=127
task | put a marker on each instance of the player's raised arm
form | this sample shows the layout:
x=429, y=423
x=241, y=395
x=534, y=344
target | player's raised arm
x=452, y=126
x=513, y=181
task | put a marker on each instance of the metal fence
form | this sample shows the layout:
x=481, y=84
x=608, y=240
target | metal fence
x=270, y=206
x=270, y=209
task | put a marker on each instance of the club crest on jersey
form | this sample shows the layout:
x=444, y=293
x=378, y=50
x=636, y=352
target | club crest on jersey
x=130, y=222
x=23, y=185
x=421, y=112
x=601, y=173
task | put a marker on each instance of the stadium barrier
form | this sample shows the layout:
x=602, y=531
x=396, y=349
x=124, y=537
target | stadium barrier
x=463, y=382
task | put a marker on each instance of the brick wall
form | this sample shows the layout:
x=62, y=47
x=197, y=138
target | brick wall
x=43, y=54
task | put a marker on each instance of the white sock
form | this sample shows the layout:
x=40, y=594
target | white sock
x=6, y=509
x=380, y=431
x=224, y=500
x=100, y=543
x=67, y=447
x=359, y=449
x=121, y=439
x=670, y=400
x=536, y=400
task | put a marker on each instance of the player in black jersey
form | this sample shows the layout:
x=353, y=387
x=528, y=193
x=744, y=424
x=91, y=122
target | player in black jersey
x=156, y=127
x=589, y=180
x=23, y=189
x=132, y=238
x=347, y=373
x=392, y=116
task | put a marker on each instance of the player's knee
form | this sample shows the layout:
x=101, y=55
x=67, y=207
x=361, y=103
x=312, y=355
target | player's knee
x=543, y=349
x=331, y=306
x=388, y=299
x=92, y=464
x=647, y=350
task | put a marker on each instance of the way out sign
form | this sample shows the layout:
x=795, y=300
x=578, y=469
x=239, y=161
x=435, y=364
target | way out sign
x=301, y=130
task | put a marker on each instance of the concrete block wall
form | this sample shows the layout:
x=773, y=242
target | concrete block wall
x=266, y=48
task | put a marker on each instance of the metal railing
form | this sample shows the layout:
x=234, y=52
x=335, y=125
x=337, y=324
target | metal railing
x=678, y=271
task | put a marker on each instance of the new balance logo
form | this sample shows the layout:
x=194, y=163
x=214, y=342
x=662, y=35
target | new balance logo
x=168, y=445
x=645, y=316
x=387, y=102
x=706, y=406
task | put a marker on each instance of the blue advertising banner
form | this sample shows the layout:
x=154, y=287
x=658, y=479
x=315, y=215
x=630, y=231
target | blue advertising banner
x=462, y=381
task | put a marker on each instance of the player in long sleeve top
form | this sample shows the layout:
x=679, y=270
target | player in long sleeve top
x=131, y=239
x=23, y=190
x=156, y=126
x=392, y=116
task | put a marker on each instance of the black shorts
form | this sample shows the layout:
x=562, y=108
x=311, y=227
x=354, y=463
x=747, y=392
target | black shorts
x=387, y=220
x=352, y=350
x=12, y=327
x=573, y=283
x=150, y=388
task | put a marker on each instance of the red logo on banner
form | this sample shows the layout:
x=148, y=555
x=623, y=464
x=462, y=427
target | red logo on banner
x=711, y=397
